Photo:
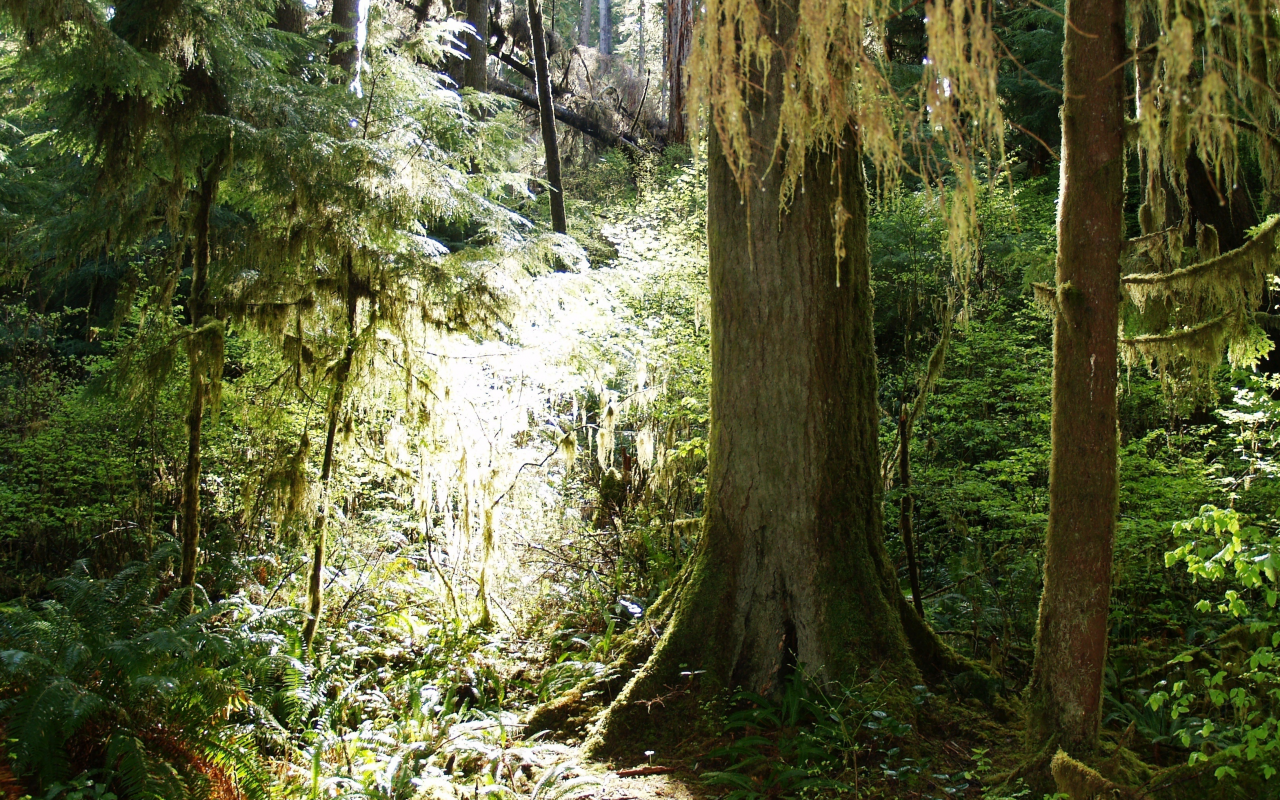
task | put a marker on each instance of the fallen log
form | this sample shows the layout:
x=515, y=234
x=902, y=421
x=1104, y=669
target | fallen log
x=574, y=120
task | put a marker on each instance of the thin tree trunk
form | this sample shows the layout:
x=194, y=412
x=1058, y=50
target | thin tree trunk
x=191, y=484
x=343, y=51
x=640, y=40
x=546, y=115
x=341, y=373
x=584, y=24
x=1065, y=695
x=199, y=345
x=606, y=28
x=791, y=572
x=679, y=42
x=475, y=74
x=905, y=507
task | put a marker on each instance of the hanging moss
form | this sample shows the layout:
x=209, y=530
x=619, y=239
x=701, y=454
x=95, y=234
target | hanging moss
x=834, y=78
x=1228, y=281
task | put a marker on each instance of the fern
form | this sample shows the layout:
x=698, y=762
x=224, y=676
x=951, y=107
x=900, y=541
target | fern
x=103, y=679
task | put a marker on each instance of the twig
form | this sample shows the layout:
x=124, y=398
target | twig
x=644, y=96
x=650, y=770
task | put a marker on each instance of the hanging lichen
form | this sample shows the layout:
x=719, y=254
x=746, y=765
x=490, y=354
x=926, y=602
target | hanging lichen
x=1207, y=73
x=1213, y=76
x=1229, y=281
x=835, y=80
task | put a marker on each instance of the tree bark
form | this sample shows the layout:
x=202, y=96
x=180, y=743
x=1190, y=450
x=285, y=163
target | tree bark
x=791, y=572
x=199, y=343
x=1065, y=694
x=475, y=74
x=584, y=24
x=640, y=40
x=606, y=28
x=343, y=50
x=341, y=373
x=546, y=116
x=679, y=42
x=905, y=508
x=290, y=17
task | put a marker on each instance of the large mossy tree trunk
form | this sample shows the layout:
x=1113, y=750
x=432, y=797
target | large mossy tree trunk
x=1065, y=694
x=547, y=117
x=791, y=571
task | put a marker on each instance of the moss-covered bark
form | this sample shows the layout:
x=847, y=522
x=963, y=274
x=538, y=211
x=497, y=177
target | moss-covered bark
x=203, y=346
x=1065, y=694
x=791, y=569
x=476, y=74
x=1080, y=782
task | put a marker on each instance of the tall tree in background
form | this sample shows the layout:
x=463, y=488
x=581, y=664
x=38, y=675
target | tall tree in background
x=546, y=115
x=344, y=48
x=340, y=374
x=467, y=65
x=678, y=41
x=606, y=27
x=640, y=45
x=153, y=122
x=290, y=17
x=193, y=115
x=204, y=365
x=584, y=24
x=475, y=75
x=1229, y=78
x=1071, y=641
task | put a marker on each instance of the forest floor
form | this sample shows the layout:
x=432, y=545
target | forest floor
x=624, y=786
x=955, y=749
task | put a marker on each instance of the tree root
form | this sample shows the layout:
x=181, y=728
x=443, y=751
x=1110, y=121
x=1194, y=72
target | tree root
x=1051, y=769
x=572, y=712
x=1080, y=782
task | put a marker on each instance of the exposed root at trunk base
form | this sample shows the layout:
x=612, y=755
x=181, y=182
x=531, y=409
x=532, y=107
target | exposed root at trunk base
x=666, y=704
x=574, y=711
x=1080, y=782
x=1114, y=771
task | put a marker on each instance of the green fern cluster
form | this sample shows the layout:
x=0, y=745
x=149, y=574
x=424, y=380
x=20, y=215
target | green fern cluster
x=103, y=681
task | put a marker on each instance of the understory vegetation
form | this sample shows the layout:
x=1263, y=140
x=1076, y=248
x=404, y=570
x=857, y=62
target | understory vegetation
x=452, y=464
